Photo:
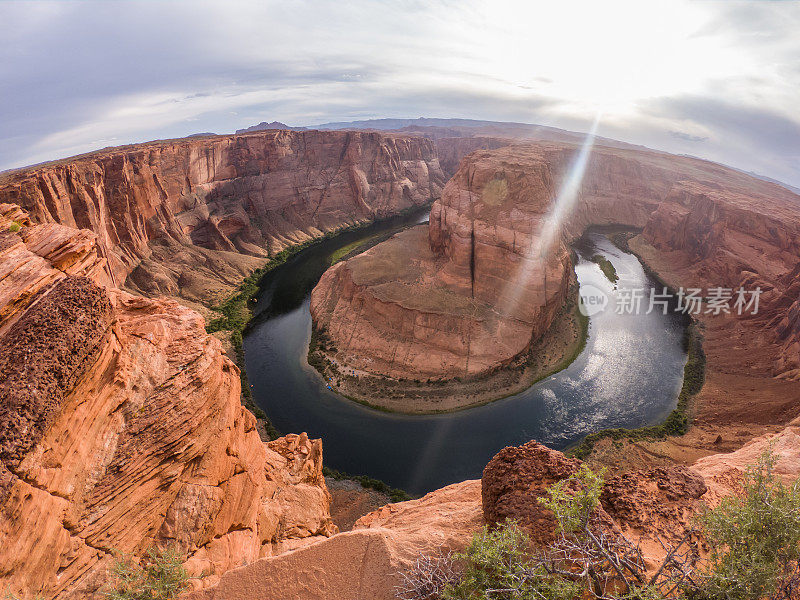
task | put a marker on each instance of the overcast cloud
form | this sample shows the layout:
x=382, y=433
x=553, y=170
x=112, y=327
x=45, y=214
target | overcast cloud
x=713, y=79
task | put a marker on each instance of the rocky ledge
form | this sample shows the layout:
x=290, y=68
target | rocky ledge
x=121, y=428
x=646, y=505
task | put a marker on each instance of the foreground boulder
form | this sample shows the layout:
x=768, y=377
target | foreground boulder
x=516, y=478
x=641, y=504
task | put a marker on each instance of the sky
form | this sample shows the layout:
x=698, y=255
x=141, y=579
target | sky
x=711, y=78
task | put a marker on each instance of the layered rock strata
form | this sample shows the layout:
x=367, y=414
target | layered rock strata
x=121, y=428
x=191, y=217
x=704, y=225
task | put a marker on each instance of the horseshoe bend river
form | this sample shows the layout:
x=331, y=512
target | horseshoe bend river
x=628, y=375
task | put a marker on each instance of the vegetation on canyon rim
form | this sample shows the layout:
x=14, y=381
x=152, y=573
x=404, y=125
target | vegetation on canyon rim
x=753, y=542
x=159, y=575
x=395, y=494
x=606, y=267
x=236, y=315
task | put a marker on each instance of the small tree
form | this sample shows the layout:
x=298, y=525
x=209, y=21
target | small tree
x=754, y=539
x=158, y=576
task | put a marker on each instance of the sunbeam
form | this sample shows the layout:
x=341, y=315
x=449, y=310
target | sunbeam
x=542, y=241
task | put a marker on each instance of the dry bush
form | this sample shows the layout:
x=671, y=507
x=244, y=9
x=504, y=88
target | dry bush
x=428, y=578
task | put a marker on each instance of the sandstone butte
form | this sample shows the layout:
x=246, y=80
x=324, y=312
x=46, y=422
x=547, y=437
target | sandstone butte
x=121, y=419
x=476, y=292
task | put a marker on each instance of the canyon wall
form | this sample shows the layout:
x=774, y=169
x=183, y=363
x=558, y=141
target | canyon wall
x=451, y=150
x=191, y=217
x=492, y=248
x=121, y=428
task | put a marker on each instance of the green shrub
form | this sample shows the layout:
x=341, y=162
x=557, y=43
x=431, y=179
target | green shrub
x=498, y=566
x=754, y=537
x=14, y=227
x=606, y=267
x=159, y=575
x=571, y=507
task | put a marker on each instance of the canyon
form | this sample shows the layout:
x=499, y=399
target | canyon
x=487, y=275
x=122, y=423
x=192, y=217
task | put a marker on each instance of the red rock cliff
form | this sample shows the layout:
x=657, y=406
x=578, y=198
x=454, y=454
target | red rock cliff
x=190, y=217
x=704, y=225
x=121, y=427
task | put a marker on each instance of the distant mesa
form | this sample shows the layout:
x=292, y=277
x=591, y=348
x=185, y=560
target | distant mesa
x=264, y=126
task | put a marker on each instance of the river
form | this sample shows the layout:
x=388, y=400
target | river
x=628, y=375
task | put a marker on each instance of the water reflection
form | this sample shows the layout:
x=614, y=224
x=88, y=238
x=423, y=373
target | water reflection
x=628, y=375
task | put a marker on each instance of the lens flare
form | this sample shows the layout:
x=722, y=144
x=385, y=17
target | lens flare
x=543, y=240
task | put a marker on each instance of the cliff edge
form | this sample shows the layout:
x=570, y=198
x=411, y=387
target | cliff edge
x=121, y=428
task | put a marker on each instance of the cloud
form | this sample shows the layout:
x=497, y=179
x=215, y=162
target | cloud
x=716, y=79
x=682, y=135
x=746, y=137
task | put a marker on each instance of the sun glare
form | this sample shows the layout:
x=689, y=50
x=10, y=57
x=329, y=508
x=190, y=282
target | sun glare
x=543, y=240
x=595, y=58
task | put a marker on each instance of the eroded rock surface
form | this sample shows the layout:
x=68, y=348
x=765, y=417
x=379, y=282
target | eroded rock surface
x=704, y=226
x=724, y=472
x=363, y=564
x=516, y=478
x=121, y=427
x=645, y=505
x=191, y=217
